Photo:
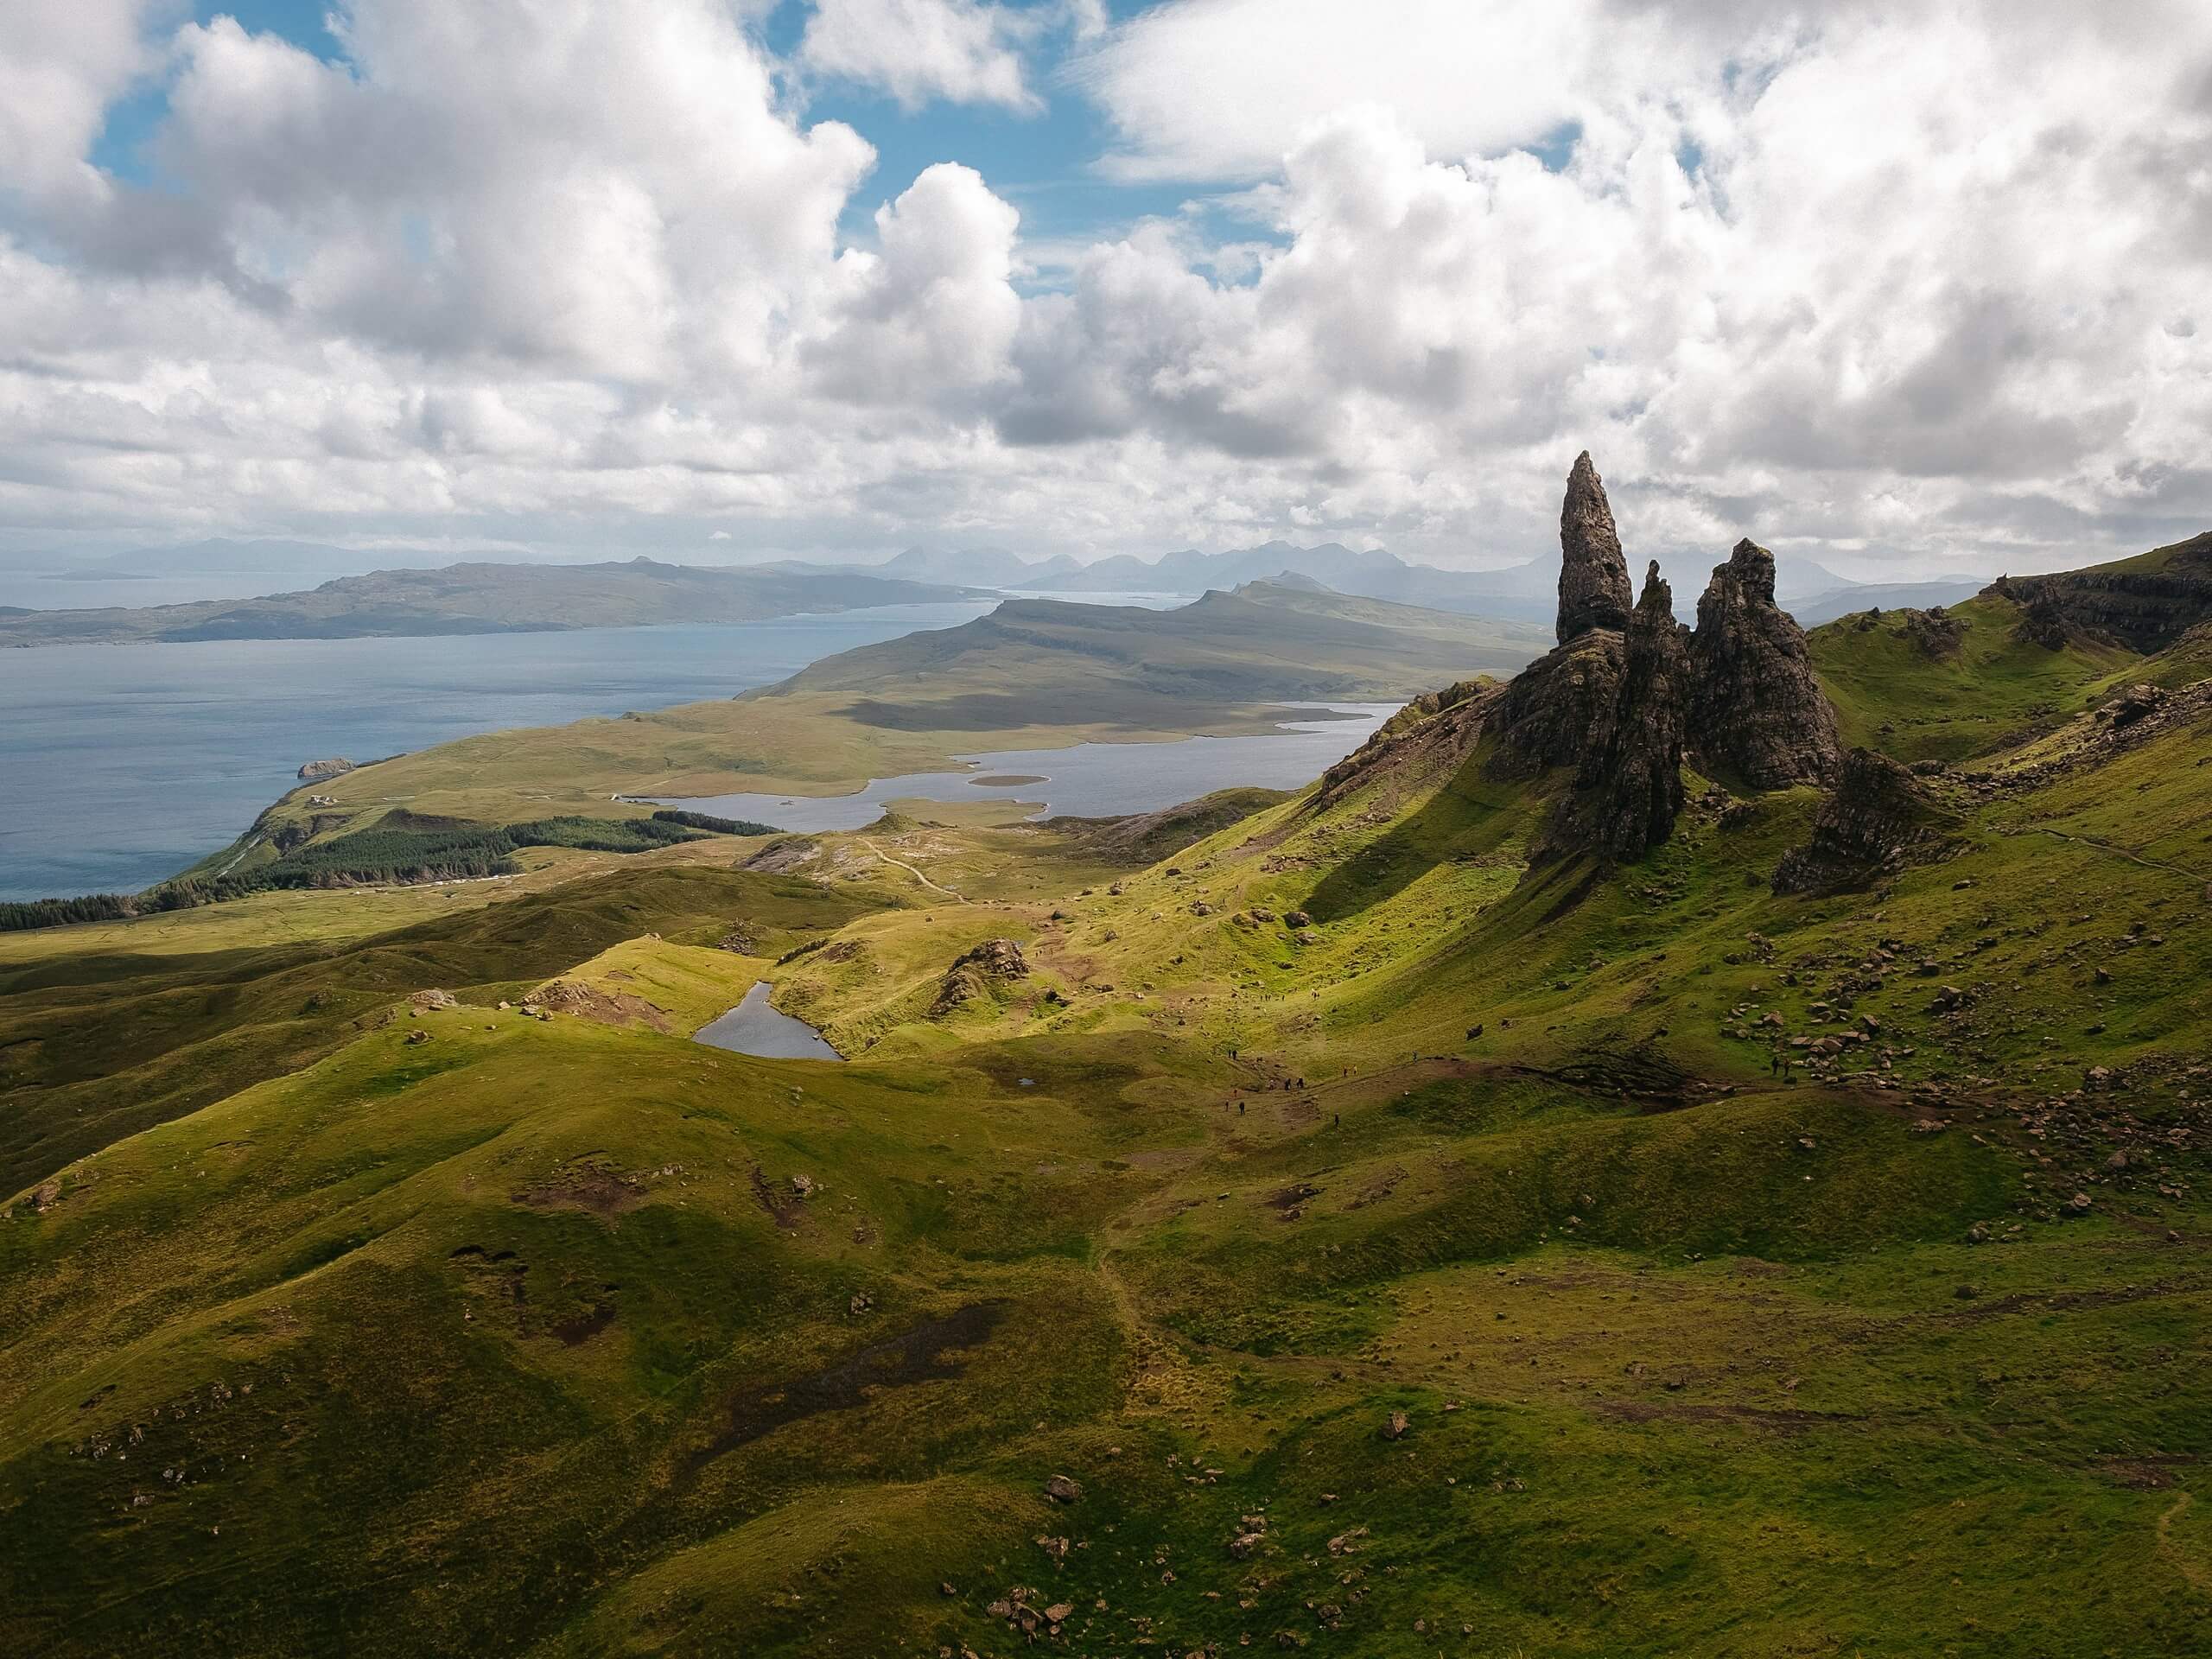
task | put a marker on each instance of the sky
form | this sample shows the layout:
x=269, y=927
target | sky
x=1915, y=289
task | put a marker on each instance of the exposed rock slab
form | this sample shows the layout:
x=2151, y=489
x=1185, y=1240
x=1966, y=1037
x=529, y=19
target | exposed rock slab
x=1548, y=714
x=2145, y=604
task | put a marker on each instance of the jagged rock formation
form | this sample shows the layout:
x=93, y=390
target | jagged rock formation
x=1876, y=819
x=2145, y=603
x=977, y=973
x=1625, y=694
x=1594, y=587
x=1756, y=713
x=1628, y=787
x=316, y=771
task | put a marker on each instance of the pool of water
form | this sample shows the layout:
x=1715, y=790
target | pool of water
x=1090, y=780
x=753, y=1028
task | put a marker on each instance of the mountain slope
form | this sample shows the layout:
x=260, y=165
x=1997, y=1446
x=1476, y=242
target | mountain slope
x=1258, y=644
x=479, y=599
x=1337, y=1230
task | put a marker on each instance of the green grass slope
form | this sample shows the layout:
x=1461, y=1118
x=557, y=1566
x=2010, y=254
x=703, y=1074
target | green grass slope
x=1339, y=1238
x=96, y=1044
x=1918, y=691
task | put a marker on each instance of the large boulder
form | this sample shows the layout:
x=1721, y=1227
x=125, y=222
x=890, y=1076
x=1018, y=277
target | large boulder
x=1877, y=819
x=1757, y=715
x=1593, y=586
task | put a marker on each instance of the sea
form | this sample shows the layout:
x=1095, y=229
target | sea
x=121, y=764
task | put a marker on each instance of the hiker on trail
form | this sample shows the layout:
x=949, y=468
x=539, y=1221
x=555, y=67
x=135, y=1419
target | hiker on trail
x=1240, y=1108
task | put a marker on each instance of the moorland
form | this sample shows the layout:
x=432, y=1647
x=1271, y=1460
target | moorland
x=1691, y=1143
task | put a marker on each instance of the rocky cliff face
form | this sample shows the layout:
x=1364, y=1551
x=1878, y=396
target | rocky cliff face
x=1627, y=788
x=1545, y=716
x=2146, y=609
x=316, y=771
x=1757, y=715
x=1593, y=588
x=1876, y=819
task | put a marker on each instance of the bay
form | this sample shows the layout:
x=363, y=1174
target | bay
x=121, y=764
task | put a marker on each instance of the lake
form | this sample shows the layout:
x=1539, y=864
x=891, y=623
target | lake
x=122, y=764
x=753, y=1028
x=1087, y=780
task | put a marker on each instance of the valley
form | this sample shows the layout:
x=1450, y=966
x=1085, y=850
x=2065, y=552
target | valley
x=1682, y=1142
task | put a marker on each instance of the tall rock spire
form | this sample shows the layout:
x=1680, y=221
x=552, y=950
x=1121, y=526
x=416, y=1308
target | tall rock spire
x=1593, y=588
x=1757, y=715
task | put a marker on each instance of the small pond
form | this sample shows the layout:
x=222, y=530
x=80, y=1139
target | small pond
x=753, y=1028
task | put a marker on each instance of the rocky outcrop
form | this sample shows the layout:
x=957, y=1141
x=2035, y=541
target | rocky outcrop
x=1628, y=786
x=990, y=965
x=1594, y=587
x=590, y=1002
x=2145, y=603
x=1757, y=715
x=317, y=772
x=1877, y=820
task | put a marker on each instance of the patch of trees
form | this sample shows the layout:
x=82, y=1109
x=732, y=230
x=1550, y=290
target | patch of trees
x=15, y=918
x=404, y=850
x=719, y=826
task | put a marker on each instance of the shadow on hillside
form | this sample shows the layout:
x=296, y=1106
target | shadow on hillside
x=1471, y=817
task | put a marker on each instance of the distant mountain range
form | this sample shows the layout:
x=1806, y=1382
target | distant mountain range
x=280, y=561
x=1524, y=592
x=418, y=591
x=483, y=599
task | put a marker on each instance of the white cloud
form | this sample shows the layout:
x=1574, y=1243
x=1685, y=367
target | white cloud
x=930, y=317
x=961, y=50
x=61, y=64
x=1915, y=283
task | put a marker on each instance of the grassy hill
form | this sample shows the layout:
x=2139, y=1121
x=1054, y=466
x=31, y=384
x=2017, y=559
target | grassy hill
x=1335, y=1236
x=1045, y=660
x=1959, y=681
x=481, y=597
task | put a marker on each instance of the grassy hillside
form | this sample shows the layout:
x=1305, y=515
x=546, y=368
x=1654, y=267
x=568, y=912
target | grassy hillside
x=479, y=598
x=1923, y=685
x=1334, y=1235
